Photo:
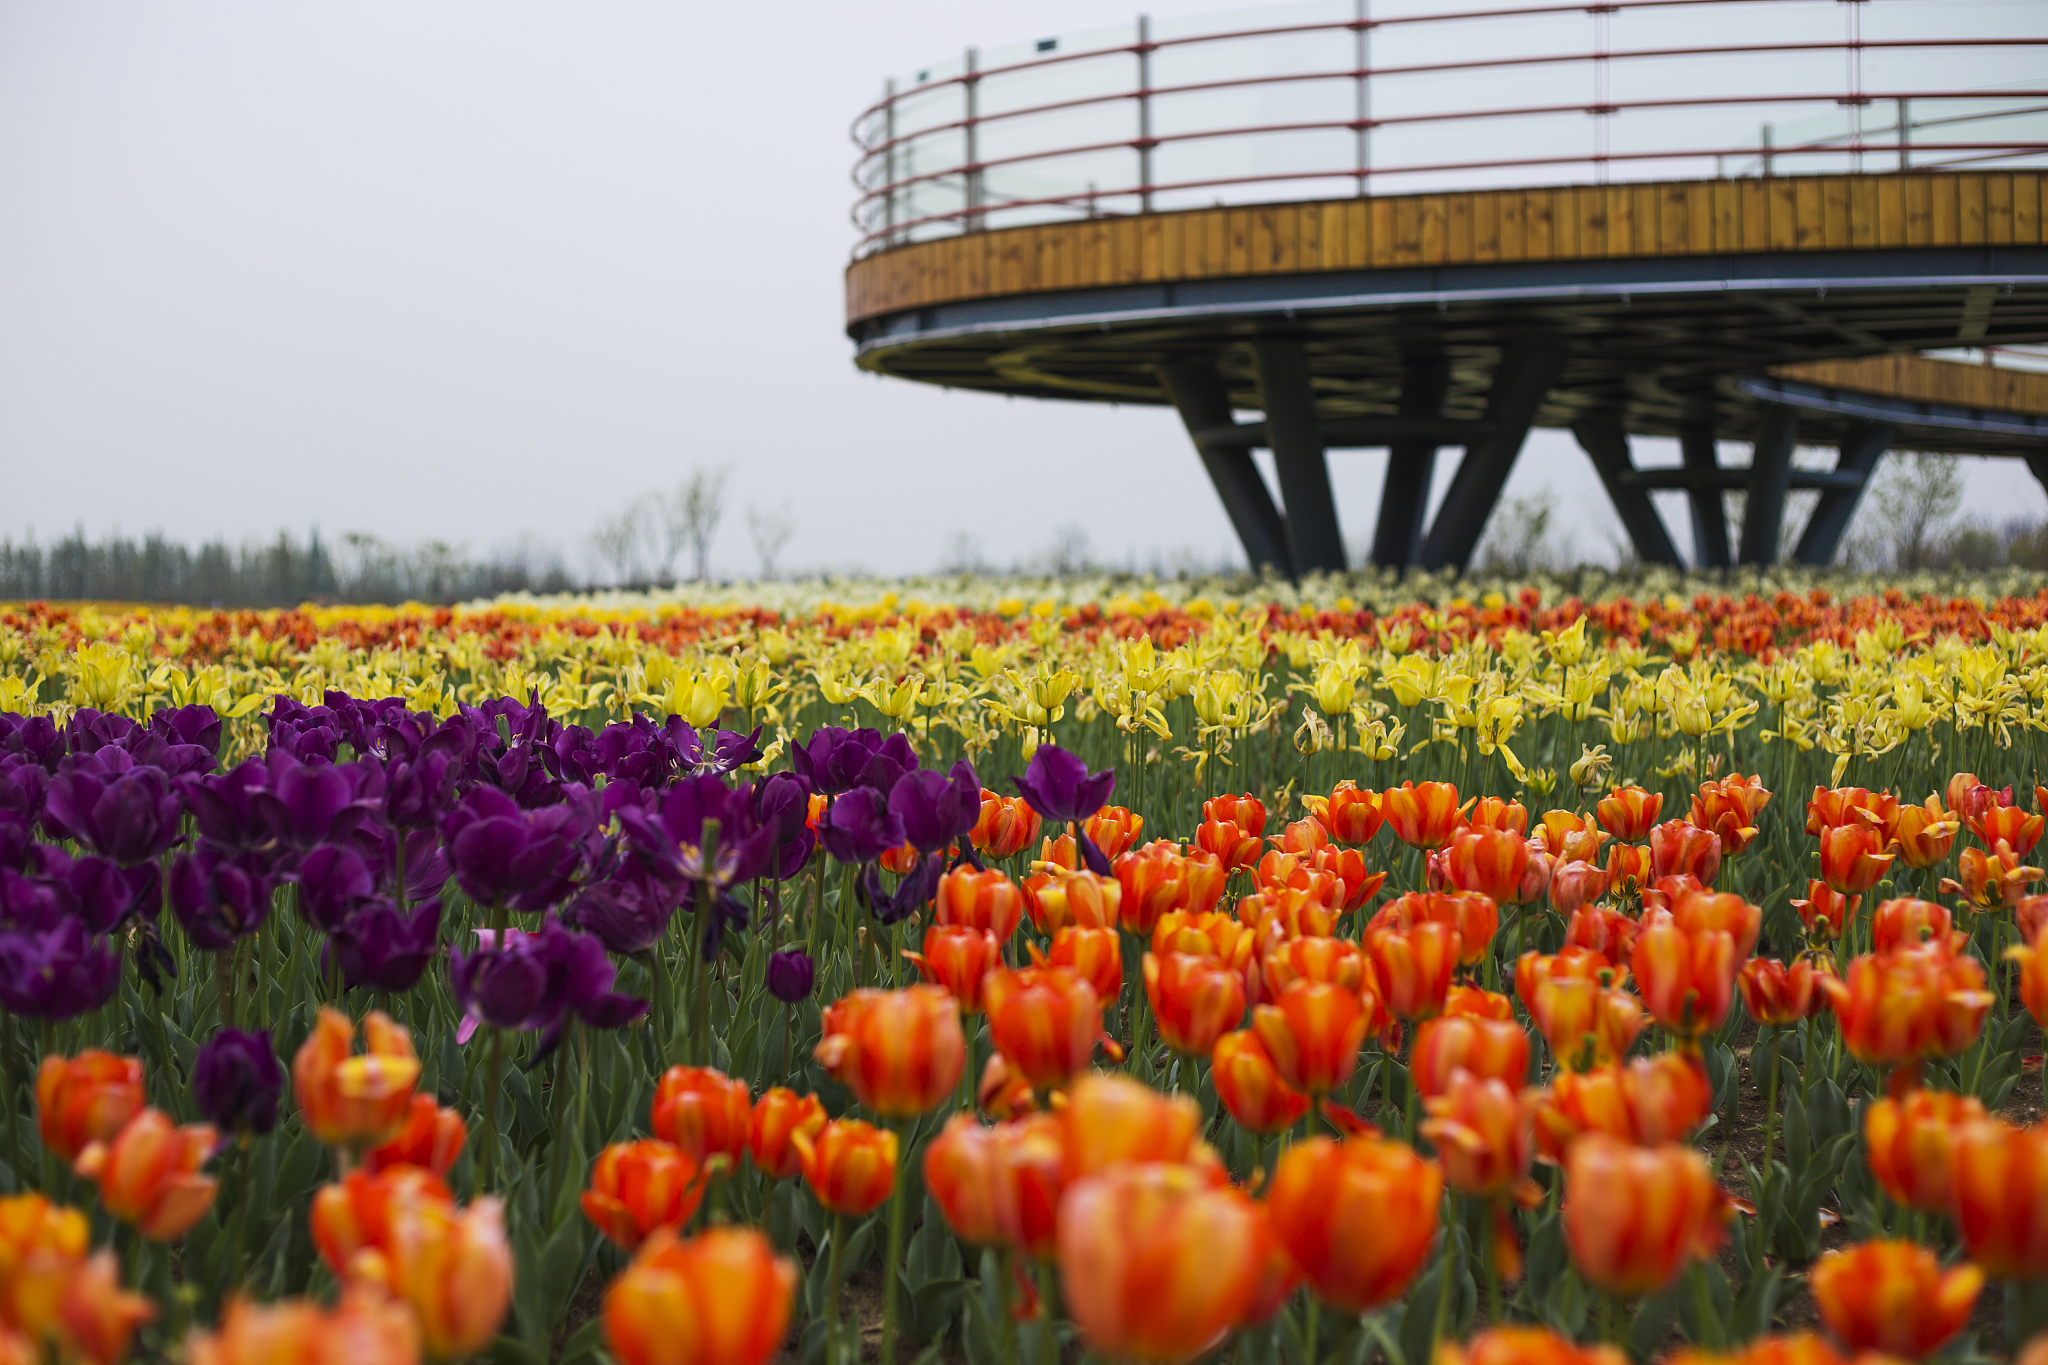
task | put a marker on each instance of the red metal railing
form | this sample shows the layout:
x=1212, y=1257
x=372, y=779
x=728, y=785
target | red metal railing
x=896, y=202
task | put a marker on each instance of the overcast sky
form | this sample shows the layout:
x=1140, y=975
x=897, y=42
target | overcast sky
x=472, y=270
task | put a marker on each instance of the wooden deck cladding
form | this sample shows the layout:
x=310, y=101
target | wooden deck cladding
x=1925, y=380
x=1578, y=222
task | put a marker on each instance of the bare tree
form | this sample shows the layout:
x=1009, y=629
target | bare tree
x=619, y=541
x=1912, y=505
x=1518, y=536
x=689, y=517
x=771, y=533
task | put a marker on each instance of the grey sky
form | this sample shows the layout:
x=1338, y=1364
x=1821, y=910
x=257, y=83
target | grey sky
x=470, y=270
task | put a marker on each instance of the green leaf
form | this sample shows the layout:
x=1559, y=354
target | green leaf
x=586, y=1341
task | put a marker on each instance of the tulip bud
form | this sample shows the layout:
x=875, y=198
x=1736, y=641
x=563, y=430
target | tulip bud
x=149, y=1174
x=1195, y=999
x=350, y=1100
x=431, y=1138
x=636, y=1187
x=703, y=1111
x=722, y=1298
x=1636, y=1216
x=850, y=1165
x=1893, y=1298
x=87, y=1098
x=1044, y=1021
x=1251, y=1088
x=901, y=1052
x=1358, y=1217
x=777, y=1117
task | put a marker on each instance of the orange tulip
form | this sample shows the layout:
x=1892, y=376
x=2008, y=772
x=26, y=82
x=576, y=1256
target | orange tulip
x=1570, y=837
x=1358, y=1217
x=1045, y=1022
x=1681, y=848
x=1825, y=912
x=1893, y=1297
x=900, y=1052
x=1970, y=796
x=1111, y=1118
x=1421, y=816
x=1629, y=869
x=1730, y=809
x=1029, y=1172
x=1779, y=995
x=1908, y=923
x=850, y=1165
x=1687, y=979
x=1155, y=1263
x=1649, y=1101
x=1209, y=934
x=84, y=1099
x=1575, y=884
x=149, y=1174
x=1096, y=955
x=1911, y=1141
x=986, y=900
x=1484, y=1135
x=96, y=1317
x=1414, y=967
x=1006, y=827
x=721, y=1298
x=1491, y=1049
x=900, y=859
x=367, y=1328
x=1899, y=1007
x=1629, y=813
x=41, y=1247
x=957, y=958
x=1229, y=843
x=1313, y=1033
x=1536, y=877
x=2001, y=1197
x=2008, y=825
x=1587, y=1024
x=356, y=1212
x=431, y=1138
x=1478, y=1003
x=1701, y=911
x=636, y=1187
x=1247, y=812
x=1195, y=999
x=1154, y=880
x=1301, y=837
x=1338, y=875
x=355, y=1100
x=1924, y=834
x=1280, y=912
x=1492, y=812
x=1635, y=1216
x=703, y=1111
x=2033, y=977
x=1352, y=814
x=960, y=1175
x=1208, y=877
x=1838, y=806
x=1113, y=829
x=1603, y=930
x=1337, y=960
x=1532, y=969
x=2030, y=916
x=778, y=1116
x=1990, y=879
x=1488, y=861
x=1055, y=899
x=1851, y=859
x=1251, y=1088
x=1528, y=1346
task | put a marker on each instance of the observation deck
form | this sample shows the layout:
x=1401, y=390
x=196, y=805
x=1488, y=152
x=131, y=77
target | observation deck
x=1719, y=220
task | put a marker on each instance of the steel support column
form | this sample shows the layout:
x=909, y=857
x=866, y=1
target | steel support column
x=1709, y=513
x=1770, y=475
x=1204, y=403
x=1606, y=444
x=1289, y=398
x=1404, y=495
x=1524, y=379
x=1837, y=506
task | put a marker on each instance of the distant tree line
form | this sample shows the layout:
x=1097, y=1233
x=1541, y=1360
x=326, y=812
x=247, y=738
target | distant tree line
x=283, y=572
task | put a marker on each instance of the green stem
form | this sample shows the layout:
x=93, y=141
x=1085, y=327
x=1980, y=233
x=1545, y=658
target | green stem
x=832, y=1280
x=242, y=1214
x=490, y=1173
x=889, y=1266
x=1049, y=1315
x=1006, y=1271
x=1312, y=1321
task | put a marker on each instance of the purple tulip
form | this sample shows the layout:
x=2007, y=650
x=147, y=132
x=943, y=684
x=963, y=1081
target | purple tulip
x=237, y=1081
x=23, y=786
x=334, y=879
x=219, y=898
x=15, y=839
x=227, y=807
x=385, y=950
x=307, y=734
x=89, y=731
x=193, y=725
x=912, y=894
x=311, y=803
x=937, y=808
x=1059, y=787
x=628, y=912
x=32, y=739
x=131, y=817
x=860, y=827
x=791, y=974
x=418, y=792
x=533, y=982
x=504, y=855
x=836, y=761
x=57, y=974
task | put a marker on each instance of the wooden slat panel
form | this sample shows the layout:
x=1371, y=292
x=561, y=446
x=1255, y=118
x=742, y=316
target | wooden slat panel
x=1539, y=229
x=1458, y=230
x=1647, y=219
x=1998, y=209
x=1309, y=237
x=1807, y=227
x=1862, y=212
x=1756, y=215
x=1942, y=206
x=1970, y=210
x=1152, y=246
x=1357, y=242
x=1834, y=210
x=1930, y=381
x=1514, y=242
x=1699, y=211
x=1674, y=224
x=1891, y=212
x=1486, y=227
x=1783, y=199
x=1381, y=236
x=2026, y=207
x=1237, y=241
x=1564, y=224
x=1917, y=193
x=1589, y=206
x=1727, y=197
x=1431, y=231
x=1407, y=231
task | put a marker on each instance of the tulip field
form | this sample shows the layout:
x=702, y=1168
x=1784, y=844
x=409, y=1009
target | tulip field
x=1017, y=977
